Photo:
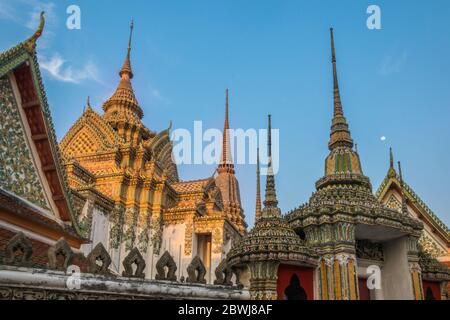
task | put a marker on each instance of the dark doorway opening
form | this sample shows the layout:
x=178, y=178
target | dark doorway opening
x=295, y=291
x=429, y=294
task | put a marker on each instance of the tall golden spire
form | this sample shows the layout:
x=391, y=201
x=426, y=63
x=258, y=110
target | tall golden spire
x=126, y=67
x=226, y=161
x=258, y=189
x=123, y=105
x=340, y=134
x=227, y=182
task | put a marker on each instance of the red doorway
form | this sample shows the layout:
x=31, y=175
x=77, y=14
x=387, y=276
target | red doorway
x=431, y=290
x=304, y=275
x=364, y=292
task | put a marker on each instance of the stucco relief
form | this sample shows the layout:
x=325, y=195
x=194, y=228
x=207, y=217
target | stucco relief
x=430, y=246
x=18, y=173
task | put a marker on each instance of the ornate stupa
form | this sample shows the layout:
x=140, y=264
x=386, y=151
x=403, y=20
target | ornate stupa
x=344, y=188
x=271, y=242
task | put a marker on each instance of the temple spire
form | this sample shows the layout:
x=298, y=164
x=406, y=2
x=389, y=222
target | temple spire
x=226, y=162
x=258, y=188
x=340, y=134
x=123, y=105
x=270, y=200
x=336, y=94
x=126, y=68
x=402, y=186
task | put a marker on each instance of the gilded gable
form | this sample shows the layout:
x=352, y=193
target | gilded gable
x=90, y=134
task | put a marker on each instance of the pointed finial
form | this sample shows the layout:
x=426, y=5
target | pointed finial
x=269, y=137
x=258, y=188
x=126, y=68
x=337, y=96
x=391, y=172
x=402, y=186
x=270, y=199
x=391, y=158
x=333, y=55
x=400, y=172
x=340, y=134
x=227, y=125
x=226, y=162
x=131, y=35
x=87, y=107
x=30, y=44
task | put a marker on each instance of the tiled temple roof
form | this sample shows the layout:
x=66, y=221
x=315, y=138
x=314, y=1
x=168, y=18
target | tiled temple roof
x=191, y=186
x=414, y=197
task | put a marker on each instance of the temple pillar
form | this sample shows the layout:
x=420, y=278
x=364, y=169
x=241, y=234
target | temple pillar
x=263, y=280
x=414, y=267
x=338, y=277
x=396, y=280
x=416, y=279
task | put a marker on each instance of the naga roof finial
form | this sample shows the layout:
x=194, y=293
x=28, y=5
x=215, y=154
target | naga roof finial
x=30, y=44
x=88, y=104
x=391, y=158
x=402, y=186
x=391, y=173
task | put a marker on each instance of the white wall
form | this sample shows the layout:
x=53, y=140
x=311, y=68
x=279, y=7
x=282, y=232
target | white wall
x=397, y=283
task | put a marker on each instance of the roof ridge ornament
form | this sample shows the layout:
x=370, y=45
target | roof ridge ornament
x=88, y=105
x=30, y=43
x=391, y=173
x=402, y=186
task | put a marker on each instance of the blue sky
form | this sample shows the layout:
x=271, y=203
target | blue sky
x=275, y=58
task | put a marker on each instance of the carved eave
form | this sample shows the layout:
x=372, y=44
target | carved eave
x=272, y=239
x=105, y=203
x=432, y=269
x=392, y=181
x=370, y=213
x=20, y=64
x=27, y=216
